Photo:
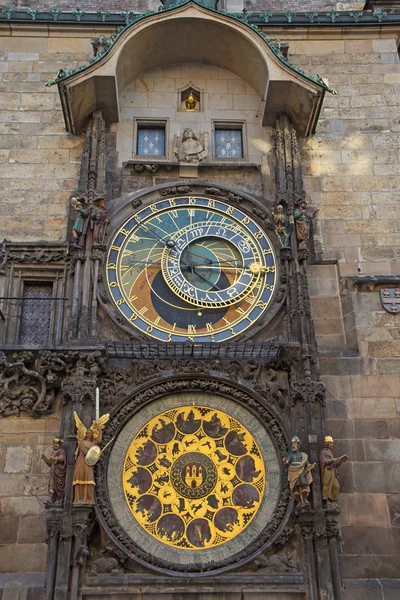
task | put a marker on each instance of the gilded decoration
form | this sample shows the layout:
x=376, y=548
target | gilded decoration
x=194, y=477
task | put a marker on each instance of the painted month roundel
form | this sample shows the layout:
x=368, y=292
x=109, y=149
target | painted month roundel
x=193, y=479
x=191, y=269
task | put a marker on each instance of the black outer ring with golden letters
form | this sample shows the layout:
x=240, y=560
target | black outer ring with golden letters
x=250, y=306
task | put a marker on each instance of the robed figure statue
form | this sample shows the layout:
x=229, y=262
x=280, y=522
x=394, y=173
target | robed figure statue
x=83, y=480
x=299, y=473
x=58, y=471
x=329, y=471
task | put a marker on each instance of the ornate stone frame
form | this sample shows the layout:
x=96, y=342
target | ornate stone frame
x=136, y=399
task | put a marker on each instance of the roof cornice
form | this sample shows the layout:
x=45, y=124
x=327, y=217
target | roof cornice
x=287, y=20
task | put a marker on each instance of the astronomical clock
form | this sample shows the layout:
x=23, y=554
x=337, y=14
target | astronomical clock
x=191, y=269
x=193, y=478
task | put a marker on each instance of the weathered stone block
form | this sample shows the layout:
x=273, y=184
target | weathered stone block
x=37, y=102
x=365, y=567
x=21, y=506
x=370, y=540
x=18, y=459
x=338, y=428
x=385, y=450
x=371, y=590
x=366, y=509
x=11, y=485
x=371, y=429
x=8, y=530
x=31, y=530
x=394, y=509
x=23, y=558
x=371, y=408
x=378, y=477
x=321, y=307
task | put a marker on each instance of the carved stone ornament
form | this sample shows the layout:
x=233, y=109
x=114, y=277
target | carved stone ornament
x=138, y=406
x=191, y=147
x=267, y=378
x=29, y=382
x=11, y=252
x=307, y=392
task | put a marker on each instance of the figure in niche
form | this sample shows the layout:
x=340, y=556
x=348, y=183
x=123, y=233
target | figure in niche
x=58, y=471
x=329, y=471
x=147, y=454
x=303, y=218
x=164, y=433
x=191, y=147
x=246, y=469
x=282, y=226
x=199, y=532
x=171, y=527
x=150, y=507
x=100, y=221
x=245, y=495
x=214, y=427
x=141, y=479
x=83, y=480
x=276, y=383
x=188, y=424
x=299, y=474
x=226, y=519
x=234, y=443
x=79, y=228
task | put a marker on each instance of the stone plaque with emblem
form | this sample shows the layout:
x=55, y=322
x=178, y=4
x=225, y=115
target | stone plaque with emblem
x=390, y=298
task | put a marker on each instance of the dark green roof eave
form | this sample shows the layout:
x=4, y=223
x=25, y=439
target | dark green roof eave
x=288, y=19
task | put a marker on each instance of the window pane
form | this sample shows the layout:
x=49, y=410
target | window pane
x=228, y=143
x=151, y=141
x=35, y=313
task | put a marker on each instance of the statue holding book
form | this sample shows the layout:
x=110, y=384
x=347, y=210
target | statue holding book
x=329, y=472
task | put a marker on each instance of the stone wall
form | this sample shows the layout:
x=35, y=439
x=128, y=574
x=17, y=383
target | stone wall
x=23, y=492
x=39, y=160
x=352, y=174
x=224, y=97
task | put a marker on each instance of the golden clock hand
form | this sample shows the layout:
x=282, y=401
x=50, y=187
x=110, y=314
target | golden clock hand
x=169, y=243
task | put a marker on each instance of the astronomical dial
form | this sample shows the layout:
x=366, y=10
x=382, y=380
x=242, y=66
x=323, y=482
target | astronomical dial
x=191, y=269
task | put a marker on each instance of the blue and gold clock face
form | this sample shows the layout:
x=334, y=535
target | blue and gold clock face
x=191, y=269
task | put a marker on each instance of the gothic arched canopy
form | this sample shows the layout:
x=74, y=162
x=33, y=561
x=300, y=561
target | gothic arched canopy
x=191, y=33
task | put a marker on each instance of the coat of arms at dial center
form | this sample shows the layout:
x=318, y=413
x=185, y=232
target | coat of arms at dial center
x=194, y=477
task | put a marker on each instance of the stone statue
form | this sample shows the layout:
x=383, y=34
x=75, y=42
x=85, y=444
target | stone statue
x=299, y=474
x=83, y=480
x=329, y=471
x=100, y=221
x=58, y=471
x=99, y=43
x=302, y=218
x=80, y=224
x=282, y=226
x=191, y=147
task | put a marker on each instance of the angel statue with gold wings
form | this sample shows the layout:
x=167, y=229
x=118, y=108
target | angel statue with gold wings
x=83, y=481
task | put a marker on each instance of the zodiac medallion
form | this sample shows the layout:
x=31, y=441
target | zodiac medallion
x=194, y=477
